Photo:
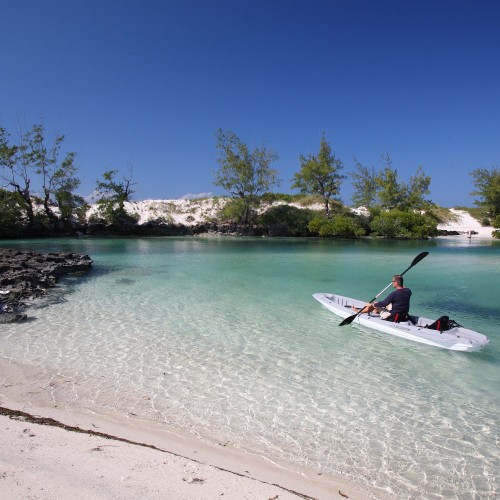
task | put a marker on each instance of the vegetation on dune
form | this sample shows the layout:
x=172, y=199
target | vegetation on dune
x=244, y=172
x=397, y=224
x=496, y=225
x=39, y=196
x=320, y=175
x=288, y=220
x=33, y=171
x=340, y=226
x=487, y=190
x=111, y=198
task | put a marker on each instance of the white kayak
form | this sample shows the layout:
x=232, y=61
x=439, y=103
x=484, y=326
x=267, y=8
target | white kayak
x=455, y=339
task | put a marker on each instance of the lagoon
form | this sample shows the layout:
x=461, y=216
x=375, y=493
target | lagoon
x=221, y=338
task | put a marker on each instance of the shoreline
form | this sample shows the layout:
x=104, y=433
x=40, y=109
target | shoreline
x=145, y=447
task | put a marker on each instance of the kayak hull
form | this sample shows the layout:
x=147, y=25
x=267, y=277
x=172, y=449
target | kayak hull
x=455, y=339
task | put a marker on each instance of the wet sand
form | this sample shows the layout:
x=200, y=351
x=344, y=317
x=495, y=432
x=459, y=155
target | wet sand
x=50, y=451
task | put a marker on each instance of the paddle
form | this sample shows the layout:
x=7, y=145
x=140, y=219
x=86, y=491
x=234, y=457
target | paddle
x=416, y=260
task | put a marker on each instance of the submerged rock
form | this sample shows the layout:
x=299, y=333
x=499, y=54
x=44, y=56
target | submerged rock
x=26, y=275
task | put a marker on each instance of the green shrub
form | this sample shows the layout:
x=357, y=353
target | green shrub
x=273, y=197
x=396, y=224
x=295, y=221
x=238, y=210
x=12, y=220
x=496, y=225
x=113, y=214
x=341, y=226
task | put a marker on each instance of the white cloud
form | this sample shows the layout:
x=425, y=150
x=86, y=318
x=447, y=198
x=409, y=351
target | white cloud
x=192, y=196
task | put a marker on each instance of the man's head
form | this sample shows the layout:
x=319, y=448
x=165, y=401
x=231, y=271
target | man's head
x=397, y=280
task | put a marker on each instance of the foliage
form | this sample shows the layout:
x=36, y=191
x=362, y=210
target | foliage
x=342, y=226
x=320, y=174
x=274, y=197
x=417, y=190
x=58, y=180
x=391, y=192
x=34, y=164
x=238, y=210
x=398, y=224
x=442, y=215
x=385, y=190
x=71, y=204
x=112, y=198
x=487, y=190
x=293, y=221
x=244, y=172
x=496, y=225
x=15, y=172
x=11, y=214
x=365, y=186
x=304, y=200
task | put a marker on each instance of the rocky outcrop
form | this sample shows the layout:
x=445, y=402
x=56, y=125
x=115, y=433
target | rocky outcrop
x=26, y=275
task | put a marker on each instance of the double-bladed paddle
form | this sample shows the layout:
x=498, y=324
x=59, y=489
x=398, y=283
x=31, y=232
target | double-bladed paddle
x=416, y=260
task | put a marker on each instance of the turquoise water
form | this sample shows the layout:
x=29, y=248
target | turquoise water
x=221, y=337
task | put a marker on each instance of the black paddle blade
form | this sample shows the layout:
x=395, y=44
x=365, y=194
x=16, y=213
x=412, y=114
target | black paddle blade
x=348, y=320
x=418, y=258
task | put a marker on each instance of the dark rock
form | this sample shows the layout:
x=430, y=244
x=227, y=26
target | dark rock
x=9, y=317
x=26, y=275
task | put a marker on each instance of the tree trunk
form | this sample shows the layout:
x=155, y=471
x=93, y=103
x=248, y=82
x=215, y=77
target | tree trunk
x=327, y=207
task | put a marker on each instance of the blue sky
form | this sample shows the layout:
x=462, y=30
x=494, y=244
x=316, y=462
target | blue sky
x=147, y=83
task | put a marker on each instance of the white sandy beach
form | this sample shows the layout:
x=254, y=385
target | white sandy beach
x=109, y=456
x=50, y=452
x=465, y=224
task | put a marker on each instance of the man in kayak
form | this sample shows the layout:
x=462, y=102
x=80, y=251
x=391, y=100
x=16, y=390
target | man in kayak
x=399, y=301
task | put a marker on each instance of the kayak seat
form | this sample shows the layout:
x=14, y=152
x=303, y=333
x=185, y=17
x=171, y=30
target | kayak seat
x=397, y=317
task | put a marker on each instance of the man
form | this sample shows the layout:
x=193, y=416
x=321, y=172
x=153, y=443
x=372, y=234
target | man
x=399, y=300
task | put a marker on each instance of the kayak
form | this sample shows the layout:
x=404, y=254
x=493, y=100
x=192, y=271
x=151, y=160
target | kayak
x=455, y=339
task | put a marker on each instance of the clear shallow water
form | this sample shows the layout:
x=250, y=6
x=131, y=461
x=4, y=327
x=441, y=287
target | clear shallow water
x=222, y=338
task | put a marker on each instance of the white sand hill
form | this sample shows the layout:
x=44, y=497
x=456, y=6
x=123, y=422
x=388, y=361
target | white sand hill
x=465, y=223
x=192, y=212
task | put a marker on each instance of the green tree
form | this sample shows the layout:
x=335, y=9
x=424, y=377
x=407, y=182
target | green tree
x=11, y=214
x=56, y=177
x=487, y=184
x=244, y=172
x=112, y=196
x=15, y=164
x=391, y=192
x=417, y=190
x=496, y=225
x=320, y=174
x=71, y=204
x=365, y=186
x=33, y=162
